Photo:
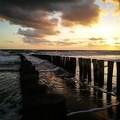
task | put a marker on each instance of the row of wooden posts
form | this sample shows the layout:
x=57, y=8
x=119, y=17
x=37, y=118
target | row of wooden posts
x=38, y=103
x=69, y=64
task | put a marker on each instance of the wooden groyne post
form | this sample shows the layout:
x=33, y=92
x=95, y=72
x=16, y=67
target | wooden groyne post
x=109, y=75
x=38, y=104
x=85, y=69
x=95, y=71
x=100, y=73
x=63, y=62
x=80, y=60
x=70, y=65
x=118, y=79
x=89, y=70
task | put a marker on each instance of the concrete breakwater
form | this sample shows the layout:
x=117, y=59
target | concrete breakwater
x=38, y=104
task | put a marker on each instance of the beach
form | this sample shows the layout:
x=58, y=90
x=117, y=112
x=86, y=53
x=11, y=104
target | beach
x=85, y=104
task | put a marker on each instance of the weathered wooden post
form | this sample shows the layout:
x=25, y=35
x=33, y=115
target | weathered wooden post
x=57, y=61
x=72, y=65
x=118, y=79
x=95, y=71
x=80, y=60
x=117, y=116
x=38, y=104
x=66, y=63
x=100, y=100
x=85, y=68
x=54, y=60
x=49, y=58
x=63, y=62
x=108, y=98
x=109, y=75
x=101, y=73
x=89, y=69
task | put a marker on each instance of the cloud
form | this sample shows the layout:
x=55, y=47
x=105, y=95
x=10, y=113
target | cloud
x=91, y=45
x=116, y=2
x=65, y=42
x=25, y=18
x=85, y=14
x=42, y=17
x=37, y=14
x=36, y=41
x=36, y=33
x=9, y=41
x=95, y=39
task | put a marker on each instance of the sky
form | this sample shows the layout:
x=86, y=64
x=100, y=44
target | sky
x=60, y=24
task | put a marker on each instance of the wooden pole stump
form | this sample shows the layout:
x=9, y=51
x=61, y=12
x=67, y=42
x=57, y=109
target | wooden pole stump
x=101, y=73
x=89, y=70
x=95, y=71
x=80, y=60
x=118, y=79
x=85, y=69
x=109, y=75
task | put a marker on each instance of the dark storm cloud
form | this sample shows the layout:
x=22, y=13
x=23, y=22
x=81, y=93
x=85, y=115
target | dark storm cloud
x=40, y=15
x=85, y=13
x=36, y=33
x=36, y=13
x=34, y=3
x=34, y=19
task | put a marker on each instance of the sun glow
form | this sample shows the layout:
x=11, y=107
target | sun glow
x=110, y=41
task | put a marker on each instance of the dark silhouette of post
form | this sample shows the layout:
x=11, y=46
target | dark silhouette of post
x=89, y=69
x=38, y=104
x=85, y=68
x=80, y=60
x=57, y=59
x=95, y=71
x=63, y=62
x=66, y=67
x=109, y=75
x=101, y=73
x=118, y=79
x=72, y=65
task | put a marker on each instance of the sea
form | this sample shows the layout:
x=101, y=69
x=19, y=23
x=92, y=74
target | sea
x=79, y=98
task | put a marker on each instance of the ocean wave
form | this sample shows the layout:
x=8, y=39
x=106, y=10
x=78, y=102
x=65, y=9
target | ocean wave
x=4, y=53
x=9, y=60
x=10, y=107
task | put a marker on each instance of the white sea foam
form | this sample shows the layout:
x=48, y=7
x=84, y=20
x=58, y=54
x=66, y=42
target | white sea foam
x=9, y=60
x=92, y=110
